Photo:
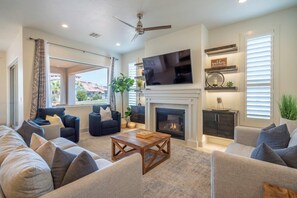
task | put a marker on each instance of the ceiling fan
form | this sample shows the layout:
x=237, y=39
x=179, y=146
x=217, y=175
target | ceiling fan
x=140, y=30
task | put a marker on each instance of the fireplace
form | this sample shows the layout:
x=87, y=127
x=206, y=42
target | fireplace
x=171, y=121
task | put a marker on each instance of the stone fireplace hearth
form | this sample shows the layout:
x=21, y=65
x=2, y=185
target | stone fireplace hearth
x=185, y=100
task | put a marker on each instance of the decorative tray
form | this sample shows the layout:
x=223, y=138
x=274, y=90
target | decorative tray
x=144, y=134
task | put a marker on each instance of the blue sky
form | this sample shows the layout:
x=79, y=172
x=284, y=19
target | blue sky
x=97, y=76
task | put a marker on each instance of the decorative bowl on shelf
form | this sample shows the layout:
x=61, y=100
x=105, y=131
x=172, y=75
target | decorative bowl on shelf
x=215, y=79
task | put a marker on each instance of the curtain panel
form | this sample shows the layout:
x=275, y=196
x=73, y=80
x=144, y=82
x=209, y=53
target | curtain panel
x=40, y=76
x=112, y=99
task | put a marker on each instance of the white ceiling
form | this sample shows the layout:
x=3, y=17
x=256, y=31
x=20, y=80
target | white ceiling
x=87, y=16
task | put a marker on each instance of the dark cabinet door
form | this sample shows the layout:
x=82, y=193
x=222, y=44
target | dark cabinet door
x=225, y=125
x=210, y=126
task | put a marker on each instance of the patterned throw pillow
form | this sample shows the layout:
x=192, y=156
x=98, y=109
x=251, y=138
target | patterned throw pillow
x=277, y=137
x=105, y=114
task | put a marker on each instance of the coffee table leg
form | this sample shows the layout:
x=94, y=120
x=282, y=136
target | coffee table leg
x=142, y=155
x=113, y=149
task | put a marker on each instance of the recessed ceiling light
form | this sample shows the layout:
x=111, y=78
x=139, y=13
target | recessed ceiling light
x=118, y=44
x=64, y=25
x=242, y=1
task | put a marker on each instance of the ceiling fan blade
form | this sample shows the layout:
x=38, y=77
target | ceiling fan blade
x=134, y=37
x=157, y=28
x=124, y=22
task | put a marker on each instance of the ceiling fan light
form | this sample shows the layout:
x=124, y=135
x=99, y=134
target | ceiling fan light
x=242, y=1
x=118, y=44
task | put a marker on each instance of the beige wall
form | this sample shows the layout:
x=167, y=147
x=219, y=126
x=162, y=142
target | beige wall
x=284, y=27
x=3, y=79
x=14, y=55
x=62, y=53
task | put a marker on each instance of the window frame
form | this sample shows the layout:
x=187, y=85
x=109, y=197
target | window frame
x=68, y=104
x=259, y=121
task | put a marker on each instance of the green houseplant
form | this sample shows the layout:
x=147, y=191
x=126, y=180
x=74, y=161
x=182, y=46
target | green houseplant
x=121, y=84
x=288, y=111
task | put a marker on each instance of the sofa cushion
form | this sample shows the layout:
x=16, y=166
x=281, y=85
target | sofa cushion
x=27, y=129
x=61, y=162
x=102, y=163
x=109, y=124
x=240, y=149
x=277, y=137
x=76, y=150
x=68, y=131
x=81, y=166
x=288, y=155
x=10, y=142
x=4, y=130
x=265, y=153
x=24, y=174
x=63, y=143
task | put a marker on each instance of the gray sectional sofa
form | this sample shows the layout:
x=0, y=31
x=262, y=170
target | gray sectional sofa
x=235, y=174
x=120, y=179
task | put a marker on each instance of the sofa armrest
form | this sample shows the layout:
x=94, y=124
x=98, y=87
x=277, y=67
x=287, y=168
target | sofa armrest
x=236, y=176
x=121, y=179
x=116, y=115
x=51, y=131
x=246, y=135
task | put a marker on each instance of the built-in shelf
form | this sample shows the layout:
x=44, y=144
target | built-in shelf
x=138, y=64
x=221, y=50
x=221, y=88
x=138, y=90
x=139, y=77
x=231, y=68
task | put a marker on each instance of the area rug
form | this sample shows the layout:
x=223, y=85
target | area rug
x=185, y=174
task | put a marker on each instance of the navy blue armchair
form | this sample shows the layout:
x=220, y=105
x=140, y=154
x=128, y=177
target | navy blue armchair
x=98, y=127
x=71, y=123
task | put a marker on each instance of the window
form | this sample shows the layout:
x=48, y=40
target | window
x=132, y=97
x=74, y=83
x=259, y=77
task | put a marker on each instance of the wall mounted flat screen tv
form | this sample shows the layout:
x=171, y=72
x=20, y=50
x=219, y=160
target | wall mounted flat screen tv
x=167, y=69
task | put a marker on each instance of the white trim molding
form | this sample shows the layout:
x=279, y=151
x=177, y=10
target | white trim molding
x=186, y=99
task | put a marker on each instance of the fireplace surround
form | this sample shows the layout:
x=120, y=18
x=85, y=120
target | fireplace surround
x=180, y=99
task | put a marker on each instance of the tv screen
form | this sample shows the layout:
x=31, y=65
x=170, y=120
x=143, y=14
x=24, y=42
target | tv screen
x=167, y=69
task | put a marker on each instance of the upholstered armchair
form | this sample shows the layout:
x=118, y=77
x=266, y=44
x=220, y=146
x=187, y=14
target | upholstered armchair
x=98, y=127
x=71, y=123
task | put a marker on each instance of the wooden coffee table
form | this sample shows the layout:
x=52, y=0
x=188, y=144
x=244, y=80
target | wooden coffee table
x=154, y=150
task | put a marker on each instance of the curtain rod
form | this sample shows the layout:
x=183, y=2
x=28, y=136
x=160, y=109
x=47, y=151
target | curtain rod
x=84, y=51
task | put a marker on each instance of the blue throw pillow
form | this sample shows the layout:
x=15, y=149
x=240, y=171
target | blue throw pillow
x=277, y=137
x=39, y=121
x=288, y=155
x=265, y=153
x=27, y=129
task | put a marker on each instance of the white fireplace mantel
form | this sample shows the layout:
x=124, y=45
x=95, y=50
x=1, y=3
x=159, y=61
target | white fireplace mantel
x=186, y=99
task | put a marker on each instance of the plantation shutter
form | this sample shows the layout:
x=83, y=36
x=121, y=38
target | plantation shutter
x=132, y=93
x=259, y=77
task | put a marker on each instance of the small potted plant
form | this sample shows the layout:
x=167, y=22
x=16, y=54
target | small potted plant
x=139, y=83
x=288, y=110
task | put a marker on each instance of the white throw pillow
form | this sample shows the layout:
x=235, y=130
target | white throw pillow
x=105, y=114
x=10, y=142
x=46, y=149
x=24, y=174
x=36, y=141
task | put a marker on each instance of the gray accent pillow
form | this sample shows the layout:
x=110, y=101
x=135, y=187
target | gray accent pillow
x=265, y=153
x=60, y=164
x=269, y=127
x=288, y=155
x=27, y=129
x=81, y=166
x=277, y=137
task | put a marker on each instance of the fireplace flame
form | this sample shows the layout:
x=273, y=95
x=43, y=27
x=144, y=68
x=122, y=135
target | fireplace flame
x=173, y=126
